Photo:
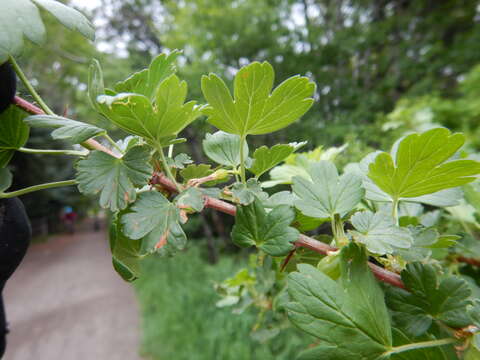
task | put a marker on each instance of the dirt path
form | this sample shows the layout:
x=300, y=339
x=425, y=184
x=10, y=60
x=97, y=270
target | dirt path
x=66, y=302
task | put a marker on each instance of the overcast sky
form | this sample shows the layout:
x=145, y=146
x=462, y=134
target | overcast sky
x=89, y=4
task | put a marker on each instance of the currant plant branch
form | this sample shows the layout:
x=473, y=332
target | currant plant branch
x=227, y=208
x=303, y=240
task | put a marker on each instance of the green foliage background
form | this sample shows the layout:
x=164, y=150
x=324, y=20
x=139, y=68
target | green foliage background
x=180, y=320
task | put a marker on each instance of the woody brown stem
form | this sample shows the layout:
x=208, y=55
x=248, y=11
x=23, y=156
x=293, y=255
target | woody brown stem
x=303, y=241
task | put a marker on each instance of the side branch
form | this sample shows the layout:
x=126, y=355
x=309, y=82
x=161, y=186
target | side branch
x=90, y=144
x=303, y=241
x=470, y=261
x=222, y=206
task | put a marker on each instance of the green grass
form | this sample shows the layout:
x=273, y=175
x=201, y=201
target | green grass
x=180, y=321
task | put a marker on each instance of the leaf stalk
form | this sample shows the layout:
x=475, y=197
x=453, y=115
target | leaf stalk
x=29, y=86
x=167, y=168
x=243, y=138
x=36, y=188
x=420, y=345
x=54, y=152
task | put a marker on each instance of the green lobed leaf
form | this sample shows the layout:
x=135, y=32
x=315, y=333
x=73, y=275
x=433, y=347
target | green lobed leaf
x=364, y=297
x=156, y=221
x=265, y=158
x=246, y=193
x=128, y=142
x=269, y=232
x=114, y=179
x=298, y=165
x=423, y=241
x=5, y=179
x=126, y=253
x=72, y=131
x=427, y=299
x=21, y=18
x=442, y=198
x=422, y=165
x=147, y=81
x=159, y=124
x=279, y=198
x=254, y=110
x=13, y=133
x=224, y=148
x=179, y=161
x=349, y=318
x=327, y=194
x=379, y=233
x=191, y=198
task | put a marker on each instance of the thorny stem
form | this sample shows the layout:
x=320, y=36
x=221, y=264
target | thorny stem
x=303, y=241
x=419, y=345
x=30, y=87
x=36, y=188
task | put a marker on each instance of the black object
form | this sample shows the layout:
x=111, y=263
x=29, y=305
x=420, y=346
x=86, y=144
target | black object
x=15, y=234
x=8, y=86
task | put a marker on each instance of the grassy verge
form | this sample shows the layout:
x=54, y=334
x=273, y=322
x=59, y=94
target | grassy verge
x=180, y=320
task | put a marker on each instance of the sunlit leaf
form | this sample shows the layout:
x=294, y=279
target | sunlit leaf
x=265, y=158
x=147, y=81
x=160, y=123
x=447, y=197
x=254, y=110
x=421, y=165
